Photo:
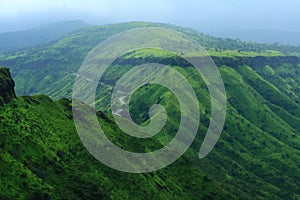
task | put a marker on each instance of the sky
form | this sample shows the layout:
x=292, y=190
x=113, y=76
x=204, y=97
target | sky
x=203, y=15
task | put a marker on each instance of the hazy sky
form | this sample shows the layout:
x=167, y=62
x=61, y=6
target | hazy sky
x=204, y=15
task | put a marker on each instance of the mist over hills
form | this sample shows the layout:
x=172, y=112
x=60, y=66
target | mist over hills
x=52, y=32
x=263, y=36
x=257, y=156
x=12, y=41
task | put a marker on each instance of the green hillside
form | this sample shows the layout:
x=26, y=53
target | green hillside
x=259, y=150
x=53, y=65
x=257, y=157
x=42, y=157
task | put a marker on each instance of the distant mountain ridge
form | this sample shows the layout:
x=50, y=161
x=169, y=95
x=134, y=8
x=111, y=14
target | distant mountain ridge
x=12, y=41
x=263, y=36
x=34, y=65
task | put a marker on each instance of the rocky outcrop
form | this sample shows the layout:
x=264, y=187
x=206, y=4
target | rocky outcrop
x=7, y=92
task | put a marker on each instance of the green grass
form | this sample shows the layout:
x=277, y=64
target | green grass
x=42, y=157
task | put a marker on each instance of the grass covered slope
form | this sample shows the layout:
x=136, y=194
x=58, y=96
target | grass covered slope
x=258, y=155
x=42, y=157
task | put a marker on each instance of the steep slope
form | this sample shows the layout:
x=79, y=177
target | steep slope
x=7, y=91
x=41, y=157
x=259, y=151
x=258, y=154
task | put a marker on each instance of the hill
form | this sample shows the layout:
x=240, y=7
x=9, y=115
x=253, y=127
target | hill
x=53, y=65
x=42, y=157
x=264, y=36
x=258, y=154
x=261, y=132
x=12, y=41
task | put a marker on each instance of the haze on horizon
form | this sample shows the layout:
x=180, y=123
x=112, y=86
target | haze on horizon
x=209, y=16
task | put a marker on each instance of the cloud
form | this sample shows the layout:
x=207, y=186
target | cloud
x=200, y=14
